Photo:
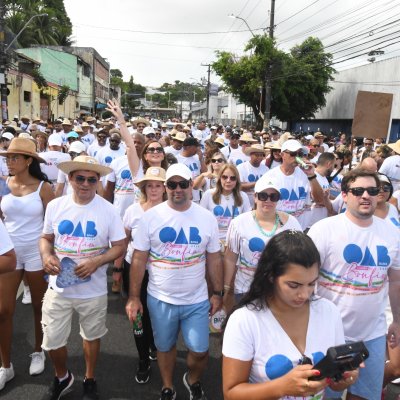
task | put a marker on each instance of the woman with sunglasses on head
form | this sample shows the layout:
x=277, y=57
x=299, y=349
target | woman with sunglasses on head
x=247, y=236
x=208, y=180
x=153, y=192
x=23, y=210
x=279, y=330
x=153, y=156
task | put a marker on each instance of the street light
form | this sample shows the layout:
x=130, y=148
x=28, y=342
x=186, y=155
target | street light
x=23, y=28
x=242, y=19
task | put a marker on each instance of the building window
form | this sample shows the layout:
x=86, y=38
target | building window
x=27, y=96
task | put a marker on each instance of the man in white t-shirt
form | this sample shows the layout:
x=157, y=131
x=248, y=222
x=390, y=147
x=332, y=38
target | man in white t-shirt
x=176, y=145
x=82, y=233
x=296, y=184
x=251, y=171
x=359, y=253
x=177, y=241
x=391, y=165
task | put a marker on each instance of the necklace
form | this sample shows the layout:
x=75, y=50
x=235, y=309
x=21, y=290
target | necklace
x=260, y=228
x=227, y=196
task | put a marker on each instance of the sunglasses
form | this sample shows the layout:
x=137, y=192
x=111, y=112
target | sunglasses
x=173, y=185
x=217, y=160
x=359, y=191
x=82, y=179
x=386, y=188
x=228, y=178
x=151, y=135
x=295, y=153
x=155, y=150
x=274, y=197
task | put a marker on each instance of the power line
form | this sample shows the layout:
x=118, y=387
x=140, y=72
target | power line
x=298, y=12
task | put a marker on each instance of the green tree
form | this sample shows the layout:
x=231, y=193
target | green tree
x=132, y=91
x=300, y=79
x=116, y=78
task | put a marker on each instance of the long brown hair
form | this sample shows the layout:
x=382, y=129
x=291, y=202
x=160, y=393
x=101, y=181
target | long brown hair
x=236, y=190
x=146, y=165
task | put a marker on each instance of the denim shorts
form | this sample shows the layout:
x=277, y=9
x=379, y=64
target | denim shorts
x=192, y=319
x=369, y=382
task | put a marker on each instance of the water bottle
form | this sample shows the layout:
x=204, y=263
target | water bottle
x=302, y=164
x=138, y=325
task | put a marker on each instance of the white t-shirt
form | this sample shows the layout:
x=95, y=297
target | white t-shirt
x=88, y=139
x=62, y=177
x=94, y=148
x=391, y=168
x=396, y=195
x=354, y=268
x=172, y=150
x=5, y=243
x=393, y=216
x=245, y=239
x=234, y=156
x=132, y=216
x=81, y=232
x=338, y=205
x=249, y=174
x=317, y=211
x=193, y=163
x=336, y=184
x=257, y=336
x=125, y=192
x=53, y=158
x=225, y=212
x=105, y=156
x=295, y=193
x=177, y=242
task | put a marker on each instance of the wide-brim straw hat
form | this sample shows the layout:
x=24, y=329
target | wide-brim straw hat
x=141, y=120
x=220, y=141
x=180, y=136
x=272, y=146
x=38, y=133
x=254, y=148
x=152, y=174
x=247, y=137
x=395, y=146
x=23, y=146
x=84, y=163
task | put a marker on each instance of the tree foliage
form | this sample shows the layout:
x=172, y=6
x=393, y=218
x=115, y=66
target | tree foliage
x=300, y=78
x=53, y=29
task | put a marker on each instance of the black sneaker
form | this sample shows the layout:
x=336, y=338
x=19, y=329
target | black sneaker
x=143, y=372
x=153, y=355
x=168, y=394
x=90, y=389
x=195, y=389
x=59, y=389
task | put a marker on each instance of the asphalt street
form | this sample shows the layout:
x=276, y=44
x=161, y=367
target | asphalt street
x=116, y=365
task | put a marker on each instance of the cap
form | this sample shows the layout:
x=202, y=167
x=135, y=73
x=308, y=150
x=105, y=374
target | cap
x=266, y=183
x=148, y=131
x=7, y=135
x=55, y=140
x=178, y=169
x=72, y=134
x=77, y=147
x=291, y=145
x=309, y=137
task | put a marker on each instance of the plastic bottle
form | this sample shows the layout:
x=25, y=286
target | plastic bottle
x=302, y=163
x=138, y=326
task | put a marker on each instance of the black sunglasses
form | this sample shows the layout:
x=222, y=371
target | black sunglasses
x=82, y=179
x=359, y=191
x=155, y=150
x=274, y=197
x=386, y=188
x=173, y=185
x=217, y=160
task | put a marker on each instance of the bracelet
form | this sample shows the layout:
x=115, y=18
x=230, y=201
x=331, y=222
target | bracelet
x=115, y=269
x=310, y=178
x=219, y=293
x=227, y=288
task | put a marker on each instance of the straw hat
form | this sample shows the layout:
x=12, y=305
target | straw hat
x=254, y=148
x=247, y=137
x=84, y=163
x=36, y=133
x=23, y=146
x=65, y=121
x=141, y=120
x=219, y=140
x=26, y=116
x=78, y=129
x=152, y=174
x=180, y=136
x=272, y=146
x=395, y=146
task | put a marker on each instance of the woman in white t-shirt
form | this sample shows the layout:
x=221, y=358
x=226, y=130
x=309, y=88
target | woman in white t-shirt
x=384, y=209
x=153, y=193
x=247, y=237
x=279, y=330
x=208, y=180
x=395, y=200
x=226, y=201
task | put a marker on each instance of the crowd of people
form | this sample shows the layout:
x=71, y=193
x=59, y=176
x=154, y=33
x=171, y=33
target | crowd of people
x=291, y=238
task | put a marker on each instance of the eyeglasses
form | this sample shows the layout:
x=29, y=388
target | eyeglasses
x=155, y=150
x=151, y=135
x=274, y=197
x=217, y=160
x=228, y=178
x=359, y=191
x=386, y=188
x=173, y=185
x=82, y=179
x=13, y=159
x=295, y=153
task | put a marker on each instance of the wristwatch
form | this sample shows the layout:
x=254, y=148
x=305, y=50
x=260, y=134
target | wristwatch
x=219, y=293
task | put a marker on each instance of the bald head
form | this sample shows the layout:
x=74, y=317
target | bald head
x=369, y=164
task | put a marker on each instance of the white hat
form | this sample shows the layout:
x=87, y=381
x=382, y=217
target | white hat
x=77, y=147
x=7, y=135
x=263, y=184
x=148, y=130
x=291, y=145
x=55, y=140
x=178, y=169
x=213, y=127
x=309, y=137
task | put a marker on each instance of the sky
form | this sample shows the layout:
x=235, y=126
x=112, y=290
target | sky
x=159, y=41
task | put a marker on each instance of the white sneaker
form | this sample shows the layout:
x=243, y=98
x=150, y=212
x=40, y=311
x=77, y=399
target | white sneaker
x=37, y=363
x=6, y=374
x=26, y=298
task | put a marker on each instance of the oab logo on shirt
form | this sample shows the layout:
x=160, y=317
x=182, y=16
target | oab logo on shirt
x=301, y=194
x=170, y=235
x=219, y=211
x=67, y=227
x=253, y=178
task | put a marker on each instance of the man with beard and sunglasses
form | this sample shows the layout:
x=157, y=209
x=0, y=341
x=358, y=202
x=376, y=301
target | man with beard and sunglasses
x=360, y=265
x=177, y=241
x=297, y=182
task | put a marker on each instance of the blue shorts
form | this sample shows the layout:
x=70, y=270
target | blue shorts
x=369, y=382
x=166, y=319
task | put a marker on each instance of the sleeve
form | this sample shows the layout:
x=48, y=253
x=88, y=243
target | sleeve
x=141, y=241
x=241, y=171
x=319, y=238
x=233, y=237
x=116, y=230
x=337, y=203
x=213, y=244
x=111, y=176
x=384, y=169
x=204, y=202
x=6, y=243
x=238, y=340
x=61, y=177
x=48, y=219
x=292, y=223
x=246, y=202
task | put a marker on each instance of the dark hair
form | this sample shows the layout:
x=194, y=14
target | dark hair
x=146, y=165
x=271, y=159
x=388, y=181
x=355, y=173
x=35, y=171
x=325, y=157
x=287, y=247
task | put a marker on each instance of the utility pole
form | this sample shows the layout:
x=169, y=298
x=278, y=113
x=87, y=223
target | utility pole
x=3, y=66
x=268, y=77
x=208, y=89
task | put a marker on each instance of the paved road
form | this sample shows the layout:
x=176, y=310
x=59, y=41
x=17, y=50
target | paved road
x=116, y=366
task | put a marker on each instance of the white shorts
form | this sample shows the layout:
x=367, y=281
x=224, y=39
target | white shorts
x=57, y=316
x=28, y=258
